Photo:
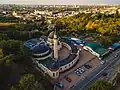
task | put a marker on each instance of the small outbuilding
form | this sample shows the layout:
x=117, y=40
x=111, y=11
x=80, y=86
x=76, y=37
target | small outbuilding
x=95, y=49
x=114, y=46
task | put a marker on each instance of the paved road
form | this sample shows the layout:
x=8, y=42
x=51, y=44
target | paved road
x=95, y=74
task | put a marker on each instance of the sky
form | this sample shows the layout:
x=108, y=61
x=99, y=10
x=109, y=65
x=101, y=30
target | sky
x=59, y=1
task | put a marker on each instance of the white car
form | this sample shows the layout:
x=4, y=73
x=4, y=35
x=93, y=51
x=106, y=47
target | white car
x=116, y=55
x=102, y=62
x=110, y=48
x=82, y=70
x=81, y=44
x=75, y=44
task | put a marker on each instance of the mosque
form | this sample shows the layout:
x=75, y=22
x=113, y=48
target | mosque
x=46, y=56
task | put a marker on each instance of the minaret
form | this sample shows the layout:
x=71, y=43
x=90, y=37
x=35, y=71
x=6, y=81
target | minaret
x=55, y=40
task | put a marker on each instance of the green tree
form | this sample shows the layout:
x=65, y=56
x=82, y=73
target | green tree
x=2, y=36
x=28, y=82
x=5, y=71
x=1, y=53
x=116, y=14
x=10, y=46
x=101, y=85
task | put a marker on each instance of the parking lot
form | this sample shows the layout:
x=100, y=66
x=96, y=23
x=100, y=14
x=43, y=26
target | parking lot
x=70, y=77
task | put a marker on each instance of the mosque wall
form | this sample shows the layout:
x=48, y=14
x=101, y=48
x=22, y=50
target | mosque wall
x=66, y=45
x=69, y=65
x=52, y=74
x=55, y=74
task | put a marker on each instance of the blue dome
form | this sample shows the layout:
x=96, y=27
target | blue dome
x=41, y=48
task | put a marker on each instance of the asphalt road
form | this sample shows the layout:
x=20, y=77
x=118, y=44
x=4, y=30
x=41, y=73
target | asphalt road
x=96, y=73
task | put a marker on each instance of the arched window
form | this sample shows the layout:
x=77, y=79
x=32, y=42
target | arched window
x=56, y=73
x=53, y=74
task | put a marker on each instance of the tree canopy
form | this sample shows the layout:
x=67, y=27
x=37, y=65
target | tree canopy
x=101, y=85
x=28, y=82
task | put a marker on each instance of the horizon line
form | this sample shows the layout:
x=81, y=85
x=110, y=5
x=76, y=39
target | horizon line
x=52, y=4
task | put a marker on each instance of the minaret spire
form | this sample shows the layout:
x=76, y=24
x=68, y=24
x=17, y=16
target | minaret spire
x=55, y=45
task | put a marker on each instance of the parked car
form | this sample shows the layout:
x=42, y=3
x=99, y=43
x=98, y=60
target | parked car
x=60, y=85
x=74, y=43
x=104, y=74
x=87, y=66
x=110, y=48
x=77, y=69
x=116, y=55
x=78, y=42
x=81, y=70
x=102, y=62
x=68, y=79
x=77, y=73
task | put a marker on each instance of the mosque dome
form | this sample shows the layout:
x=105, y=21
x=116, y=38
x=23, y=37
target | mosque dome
x=40, y=49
